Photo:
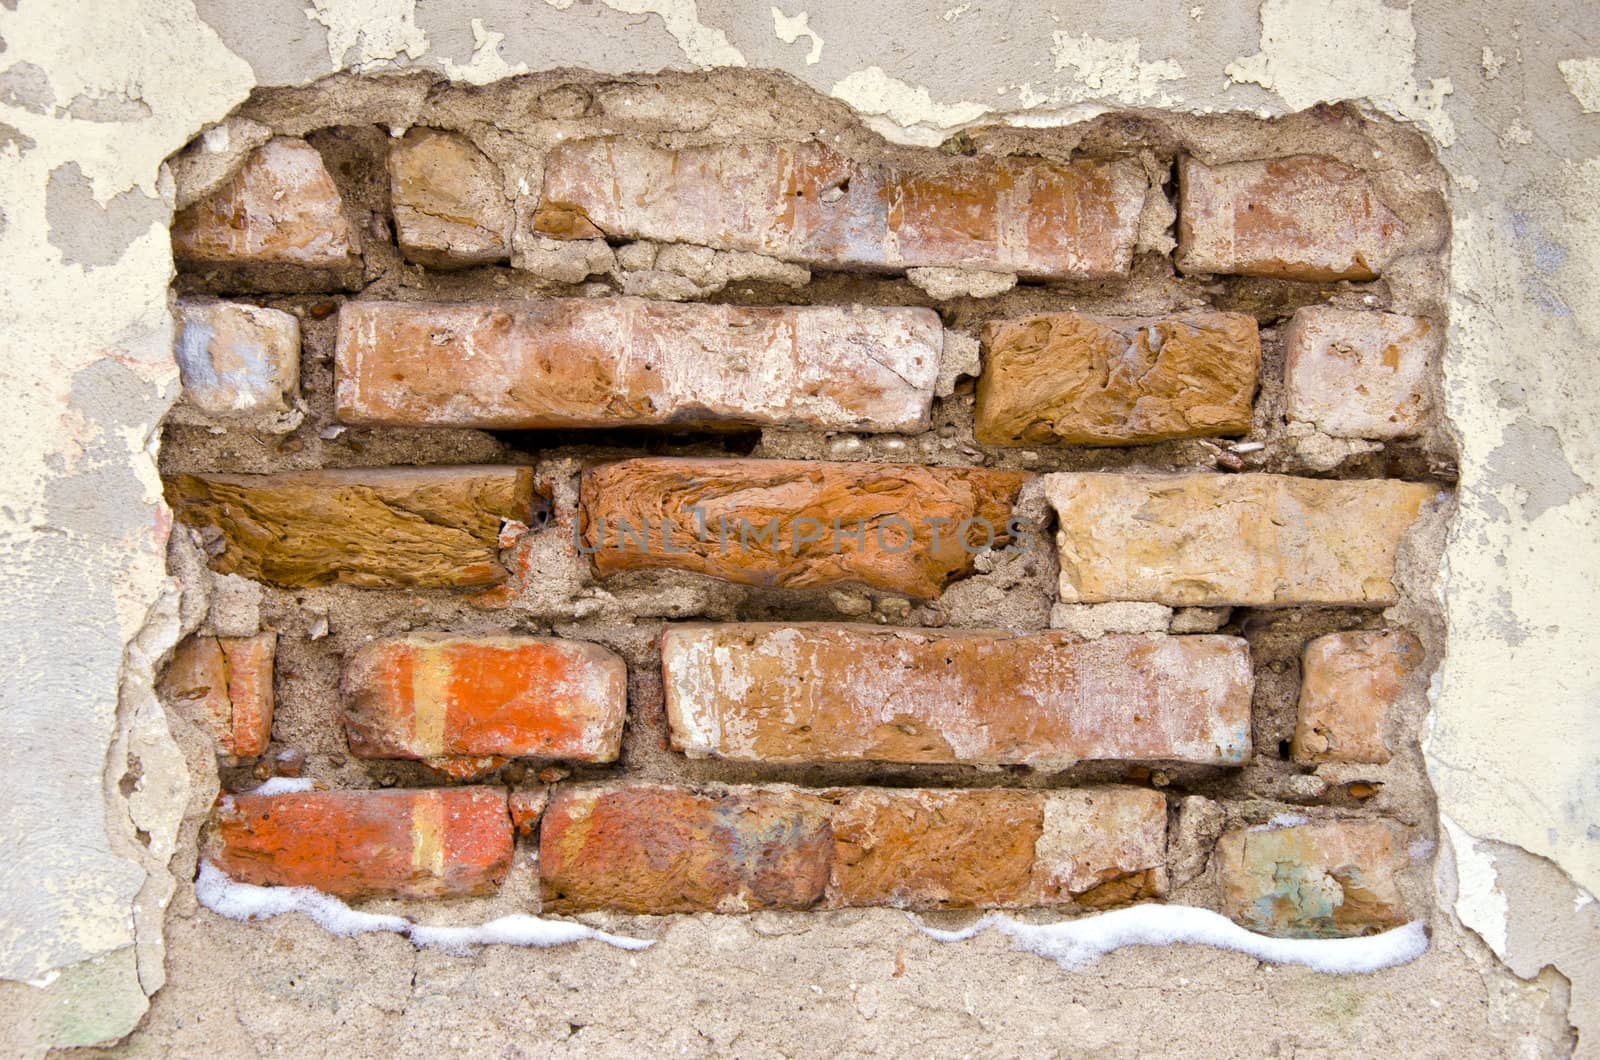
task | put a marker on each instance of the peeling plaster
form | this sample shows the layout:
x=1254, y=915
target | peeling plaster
x=1583, y=81
x=1316, y=51
x=486, y=64
x=1112, y=70
x=790, y=30
x=903, y=111
x=704, y=46
x=1479, y=903
x=363, y=34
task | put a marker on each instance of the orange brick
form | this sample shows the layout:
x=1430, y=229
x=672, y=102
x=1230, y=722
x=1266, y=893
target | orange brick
x=280, y=208
x=1067, y=377
x=627, y=362
x=428, y=695
x=805, y=202
x=925, y=849
x=361, y=844
x=450, y=209
x=814, y=692
x=901, y=528
x=646, y=848
x=1350, y=682
x=371, y=527
x=1360, y=375
x=1299, y=218
x=1316, y=880
x=229, y=681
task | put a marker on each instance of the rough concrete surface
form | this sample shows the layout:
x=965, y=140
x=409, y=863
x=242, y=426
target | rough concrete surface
x=96, y=780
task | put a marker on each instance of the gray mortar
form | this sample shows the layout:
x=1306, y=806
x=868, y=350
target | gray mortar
x=350, y=121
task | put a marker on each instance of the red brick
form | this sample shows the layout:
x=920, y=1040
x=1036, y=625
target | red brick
x=1212, y=540
x=1360, y=375
x=427, y=695
x=813, y=692
x=1349, y=685
x=805, y=202
x=650, y=849
x=280, y=208
x=925, y=849
x=1067, y=377
x=900, y=528
x=371, y=527
x=1316, y=880
x=1299, y=218
x=360, y=844
x=450, y=209
x=627, y=362
x=228, y=680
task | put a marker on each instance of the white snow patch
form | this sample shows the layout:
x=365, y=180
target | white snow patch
x=517, y=930
x=246, y=901
x=284, y=786
x=1073, y=944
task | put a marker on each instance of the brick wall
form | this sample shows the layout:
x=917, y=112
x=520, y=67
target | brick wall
x=712, y=518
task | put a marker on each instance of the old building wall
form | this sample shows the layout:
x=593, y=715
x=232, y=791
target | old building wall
x=96, y=782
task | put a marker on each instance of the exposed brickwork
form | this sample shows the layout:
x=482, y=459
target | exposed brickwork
x=1361, y=375
x=626, y=362
x=281, y=208
x=797, y=524
x=1066, y=377
x=358, y=844
x=227, y=681
x=1349, y=684
x=785, y=418
x=805, y=202
x=818, y=693
x=434, y=695
x=1316, y=880
x=1209, y=540
x=1298, y=218
x=449, y=208
x=369, y=527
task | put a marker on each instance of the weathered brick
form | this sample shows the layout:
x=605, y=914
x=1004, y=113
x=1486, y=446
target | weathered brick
x=280, y=208
x=815, y=692
x=1318, y=880
x=427, y=695
x=450, y=209
x=1349, y=683
x=228, y=680
x=796, y=524
x=1067, y=377
x=805, y=202
x=1360, y=375
x=373, y=527
x=1247, y=540
x=620, y=362
x=926, y=849
x=359, y=844
x=645, y=848
x=527, y=808
x=238, y=361
x=1305, y=217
